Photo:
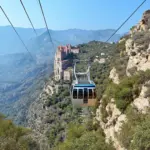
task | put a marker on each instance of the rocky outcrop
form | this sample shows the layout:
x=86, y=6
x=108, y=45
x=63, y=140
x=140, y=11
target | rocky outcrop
x=142, y=103
x=138, y=58
x=114, y=122
x=144, y=24
x=138, y=45
x=101, y=60
x=37, y=116
x=48, y=115
x=114, y=76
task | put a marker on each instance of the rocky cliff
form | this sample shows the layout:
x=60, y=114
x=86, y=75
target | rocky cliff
x=136, y=47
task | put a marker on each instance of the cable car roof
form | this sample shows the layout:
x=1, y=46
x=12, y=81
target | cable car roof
x=84, y=85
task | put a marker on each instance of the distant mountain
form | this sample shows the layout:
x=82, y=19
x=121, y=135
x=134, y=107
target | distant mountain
x=11, y=44
x=78, y=36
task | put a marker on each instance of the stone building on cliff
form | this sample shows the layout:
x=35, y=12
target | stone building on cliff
x=62, y=62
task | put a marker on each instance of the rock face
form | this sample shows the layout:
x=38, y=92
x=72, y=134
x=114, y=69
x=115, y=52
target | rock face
x=49, y=115
x=101, y=60
x=114, y=121
x=137, y=59
x=142, y=103
x=37, y=116
x=144, y=24
x=114, y=76
x=138, y=46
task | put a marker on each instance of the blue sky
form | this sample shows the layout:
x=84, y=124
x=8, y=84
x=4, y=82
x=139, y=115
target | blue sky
x=66, y=14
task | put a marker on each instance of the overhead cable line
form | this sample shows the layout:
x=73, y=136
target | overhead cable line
x=8, y=81
x=126, y=20
x=28, y=16
x=16, y=32
x=45, y=22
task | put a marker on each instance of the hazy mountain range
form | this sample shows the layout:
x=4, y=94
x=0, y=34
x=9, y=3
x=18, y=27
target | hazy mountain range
x=11, y=44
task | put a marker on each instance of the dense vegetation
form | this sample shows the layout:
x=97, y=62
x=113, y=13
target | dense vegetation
x=87, y=136
x=99, y=72
x=80, y=133
x=128, y=89
x=13, y=137
x=134, y=134
x=16, y=97
x=60, y=113
x=142, y=39
x=136, y=129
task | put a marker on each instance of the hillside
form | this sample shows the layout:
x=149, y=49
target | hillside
x=13, y=137
x=50, y=114
x=123, y=113
x=122, y=117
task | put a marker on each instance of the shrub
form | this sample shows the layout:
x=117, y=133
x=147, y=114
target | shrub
x=92, y=140
x=123, y=98
x=127, y=132
x=147, y=93
x=120, y=64
x=132, y=70
x=128, y=89
x=13, y=137
x=141, y=136
x=142, y=38
x=135, y=133
x=121, y=46
x=132, y=28
x=133, y=53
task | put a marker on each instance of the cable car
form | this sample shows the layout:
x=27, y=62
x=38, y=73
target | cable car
x=83, y=89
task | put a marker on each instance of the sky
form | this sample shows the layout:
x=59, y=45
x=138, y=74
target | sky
x=69, y=14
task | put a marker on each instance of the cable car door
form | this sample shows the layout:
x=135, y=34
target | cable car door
x=85, y=99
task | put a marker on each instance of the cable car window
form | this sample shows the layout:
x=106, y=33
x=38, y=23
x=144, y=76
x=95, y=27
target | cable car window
x=94, y=93
x=90, y=94
x=80, y=94
x=75, y=93
x=85, y=100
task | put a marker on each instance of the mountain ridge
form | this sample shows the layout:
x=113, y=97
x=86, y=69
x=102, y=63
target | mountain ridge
x=7, y=35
